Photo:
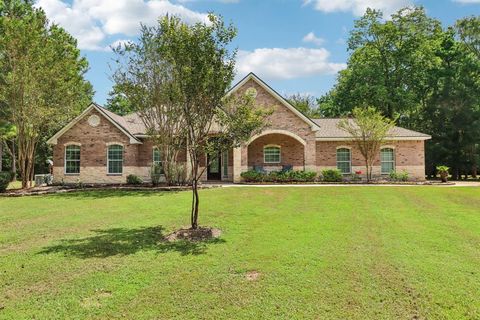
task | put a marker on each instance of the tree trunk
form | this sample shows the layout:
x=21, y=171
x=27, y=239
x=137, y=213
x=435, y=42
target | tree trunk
x=26, y=158
x=195, y=198
x=367, y=167
x=1, y=156
x=195, y=204
x=474, y=171
x=14, y=162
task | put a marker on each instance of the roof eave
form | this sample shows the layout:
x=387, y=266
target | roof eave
x=399, y=138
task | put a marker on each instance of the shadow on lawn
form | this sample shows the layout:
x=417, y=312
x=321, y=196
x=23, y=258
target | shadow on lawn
x=114, y=193
x=122, y=241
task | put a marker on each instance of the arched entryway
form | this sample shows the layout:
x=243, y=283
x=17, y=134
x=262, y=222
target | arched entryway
x=276, y=150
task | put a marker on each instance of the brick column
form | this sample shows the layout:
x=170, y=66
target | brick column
x=240, y=162
x=310, y=155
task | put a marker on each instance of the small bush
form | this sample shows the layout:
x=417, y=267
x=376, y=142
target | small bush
x=443, y=172
x=279, y=176
x=177, y=174
x=133, y=179
x=156, y=172
x=399, y=176
x=5, y=178
x=253, y=176
x=332, y=175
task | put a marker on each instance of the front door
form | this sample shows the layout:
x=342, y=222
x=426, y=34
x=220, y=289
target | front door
x=214, y=171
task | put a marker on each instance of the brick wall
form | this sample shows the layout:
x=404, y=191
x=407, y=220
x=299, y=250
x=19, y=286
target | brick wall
x=93, y=152
x=292, y=151
x=409, y=155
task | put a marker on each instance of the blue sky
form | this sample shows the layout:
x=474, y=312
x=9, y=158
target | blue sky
x=297, y=46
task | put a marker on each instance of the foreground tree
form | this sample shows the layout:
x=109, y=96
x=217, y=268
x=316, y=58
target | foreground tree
x=41, y=75
x=368, y=130
x=143, y=83
x=177, y=76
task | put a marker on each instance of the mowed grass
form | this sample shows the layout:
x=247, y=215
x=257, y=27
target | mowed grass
x=318, y=253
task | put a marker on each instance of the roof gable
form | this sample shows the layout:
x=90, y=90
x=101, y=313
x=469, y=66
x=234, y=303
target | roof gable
x=276, y=95
x=116, y=120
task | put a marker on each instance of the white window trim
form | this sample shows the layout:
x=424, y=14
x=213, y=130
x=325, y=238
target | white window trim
x=72, y=144
x=349, y=162
x=153, y=155
x=65, y=159
x=108, y=159
x=108, y=144
x=153, y=159
x=394, y=159
x=279, y=156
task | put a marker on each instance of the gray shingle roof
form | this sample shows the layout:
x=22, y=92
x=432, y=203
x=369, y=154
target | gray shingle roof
x=329, y=129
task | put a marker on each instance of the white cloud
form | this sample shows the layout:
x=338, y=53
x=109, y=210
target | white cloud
x=120, y=42
x=280, y=63
x=467, y=1
x=91, y=21
x=312, y=38
x=358, y=7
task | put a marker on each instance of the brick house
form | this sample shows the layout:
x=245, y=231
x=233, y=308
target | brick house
x=101, y=147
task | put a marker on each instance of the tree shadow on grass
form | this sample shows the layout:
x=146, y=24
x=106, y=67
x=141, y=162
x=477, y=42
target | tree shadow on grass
x=114, y=193
x=122, y=241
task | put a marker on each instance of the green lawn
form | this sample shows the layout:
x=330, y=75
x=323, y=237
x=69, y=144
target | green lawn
x=320, y=253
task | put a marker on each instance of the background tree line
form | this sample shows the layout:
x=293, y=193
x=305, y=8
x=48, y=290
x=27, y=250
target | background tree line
x=42, y=85
x=412, y=69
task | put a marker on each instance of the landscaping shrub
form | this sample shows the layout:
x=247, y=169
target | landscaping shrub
x=5, y=178
x=399, y=176
x=443, y=172
x=133, y=179
x=332, y=175
x=279, y=176
x=178, y=174
x=156, y=174
x=253, y=176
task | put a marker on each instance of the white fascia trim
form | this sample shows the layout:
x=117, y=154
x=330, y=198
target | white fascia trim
x=259, y=81
x=387, y=139
x=54, y=140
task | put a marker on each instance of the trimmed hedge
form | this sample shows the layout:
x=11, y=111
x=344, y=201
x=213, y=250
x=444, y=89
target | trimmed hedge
x=332, y=175
x=279, y=176
x=5, y=178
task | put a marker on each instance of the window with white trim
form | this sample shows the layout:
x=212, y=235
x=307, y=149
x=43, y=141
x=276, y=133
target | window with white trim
x=72, y=159
x=157, y=161
x=344, y=160
x=115, y=159
x=271, y=154
x=387, y=160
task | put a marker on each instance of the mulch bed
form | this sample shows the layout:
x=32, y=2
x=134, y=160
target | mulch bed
x=194, y=235
x=67, y=189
